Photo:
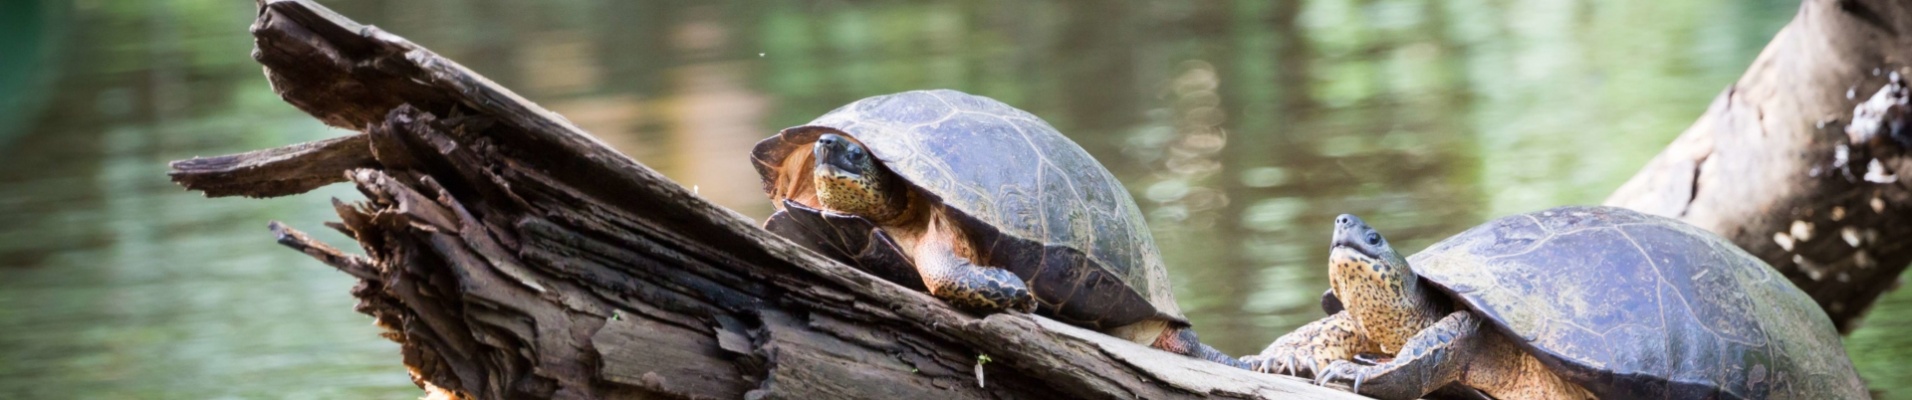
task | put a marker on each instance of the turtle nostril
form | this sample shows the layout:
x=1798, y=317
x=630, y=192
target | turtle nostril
x=1341, y=220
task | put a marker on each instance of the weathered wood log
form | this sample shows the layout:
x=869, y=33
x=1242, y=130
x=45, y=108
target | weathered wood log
x=1771, y=167
x=514, y=256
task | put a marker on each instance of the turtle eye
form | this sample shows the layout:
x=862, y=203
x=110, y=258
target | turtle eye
x=1374, y=239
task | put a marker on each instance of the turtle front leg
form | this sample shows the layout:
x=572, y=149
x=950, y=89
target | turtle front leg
x=968, y=286
x=1431, y=359
x=1312, y=347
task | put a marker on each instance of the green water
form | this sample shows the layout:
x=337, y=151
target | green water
x=1242, y=127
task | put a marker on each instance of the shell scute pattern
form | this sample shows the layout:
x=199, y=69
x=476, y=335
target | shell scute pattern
x=1016, y=206
x=991, y=155
x=1716, y=297
x=1068, y=225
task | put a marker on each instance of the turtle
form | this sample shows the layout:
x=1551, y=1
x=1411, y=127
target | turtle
x=985, y=206
x=1566, y=303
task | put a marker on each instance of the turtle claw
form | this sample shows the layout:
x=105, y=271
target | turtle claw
x=1263, y=363
x=1284, y=360
x=1343, y=370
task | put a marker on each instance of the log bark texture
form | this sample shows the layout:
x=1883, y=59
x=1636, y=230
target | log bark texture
x=1771, y=164
x=514, y=256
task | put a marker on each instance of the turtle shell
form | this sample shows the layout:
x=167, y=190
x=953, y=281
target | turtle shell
x=1632, y=305
x=1029, y=199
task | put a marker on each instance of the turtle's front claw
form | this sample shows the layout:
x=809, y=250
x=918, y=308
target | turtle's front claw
x=1255, y=363
x=1298, y=365
x=1285, y=357
x=1343, y=370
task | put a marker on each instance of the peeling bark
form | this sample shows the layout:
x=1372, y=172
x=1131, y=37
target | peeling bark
x=514, y=256
x=1771, y=167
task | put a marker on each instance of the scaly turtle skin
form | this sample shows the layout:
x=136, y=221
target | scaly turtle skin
x=983, y=205
x=1567, y=303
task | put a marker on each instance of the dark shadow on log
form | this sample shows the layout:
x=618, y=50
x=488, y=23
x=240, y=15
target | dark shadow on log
x=1771, y=167
x=514, y=256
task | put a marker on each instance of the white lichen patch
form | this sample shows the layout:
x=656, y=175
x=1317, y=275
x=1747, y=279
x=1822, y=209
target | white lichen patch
x=1802, y=230
x=1784, y=240
x=1851, y=236
x=1876, y=173
x=1812, y=271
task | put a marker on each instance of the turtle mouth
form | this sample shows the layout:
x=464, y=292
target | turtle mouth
x=840, y=157
x=834, y=171
x=1351, y=246
x=1343, y=240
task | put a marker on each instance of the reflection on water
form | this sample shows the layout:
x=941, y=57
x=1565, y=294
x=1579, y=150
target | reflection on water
x=1241, y=127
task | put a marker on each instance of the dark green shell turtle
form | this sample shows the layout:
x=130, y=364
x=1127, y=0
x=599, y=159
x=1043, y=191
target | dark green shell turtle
x=1031, y=201
x=1567, y=303
x=1631, y=305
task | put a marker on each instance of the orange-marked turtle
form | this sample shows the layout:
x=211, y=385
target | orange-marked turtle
x=983, y=205
x=1567, y=303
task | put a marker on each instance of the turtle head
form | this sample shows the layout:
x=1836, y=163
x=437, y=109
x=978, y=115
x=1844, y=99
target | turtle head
x=849, y=180
x=1374, y=283
x=840, y=156
x=1355, y=241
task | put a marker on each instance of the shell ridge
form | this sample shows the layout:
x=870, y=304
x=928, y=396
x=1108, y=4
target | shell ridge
x=1537, y=223
x=938, y=95
x=1670, y=354
x=1530, y=248
x=1578, y=230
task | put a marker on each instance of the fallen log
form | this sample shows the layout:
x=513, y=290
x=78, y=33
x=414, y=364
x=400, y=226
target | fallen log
x=1771, y=166
x=514, y=256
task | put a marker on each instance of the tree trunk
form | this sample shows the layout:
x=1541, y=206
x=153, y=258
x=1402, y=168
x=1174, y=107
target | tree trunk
x=1772, y=167
x=514, y=256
